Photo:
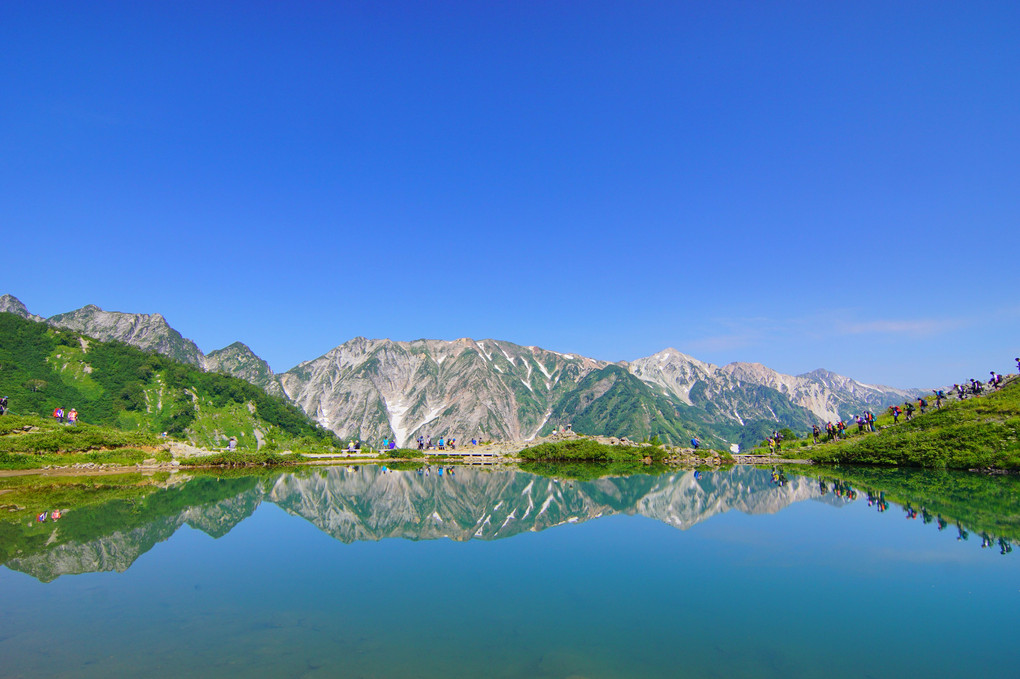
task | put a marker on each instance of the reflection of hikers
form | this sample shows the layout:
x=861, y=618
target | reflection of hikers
x=961, y=532
x=1004, y=546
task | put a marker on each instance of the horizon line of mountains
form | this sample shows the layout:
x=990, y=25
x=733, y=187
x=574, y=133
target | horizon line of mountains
x=491, y=389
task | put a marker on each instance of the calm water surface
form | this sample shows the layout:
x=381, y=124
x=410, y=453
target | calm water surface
x=500, y=573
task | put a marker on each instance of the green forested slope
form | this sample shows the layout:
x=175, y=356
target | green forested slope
x=113, y=384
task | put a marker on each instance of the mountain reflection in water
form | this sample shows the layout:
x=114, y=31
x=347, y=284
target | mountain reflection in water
x=108, y=523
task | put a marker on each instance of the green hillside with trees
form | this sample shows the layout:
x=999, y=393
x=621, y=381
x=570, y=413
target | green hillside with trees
x=116, y=385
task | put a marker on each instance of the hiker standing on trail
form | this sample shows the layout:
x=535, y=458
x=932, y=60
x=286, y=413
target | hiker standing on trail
x=72, y=417
x=910, y=410
x=1017, y=364
x=895, y=414
x=815, y=432
x=58, y=414
x=3, y=405
x=922, y=404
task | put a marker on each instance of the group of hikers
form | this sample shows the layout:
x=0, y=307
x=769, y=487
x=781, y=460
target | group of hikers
x=425, y=443
x=876, y=499
x=776, y=442
x=444, y=443
x=65, y=417
x=866, y=420
x=975, y=387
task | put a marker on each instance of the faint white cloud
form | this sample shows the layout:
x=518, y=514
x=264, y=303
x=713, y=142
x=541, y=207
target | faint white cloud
x=739, y=333
x=918, y=327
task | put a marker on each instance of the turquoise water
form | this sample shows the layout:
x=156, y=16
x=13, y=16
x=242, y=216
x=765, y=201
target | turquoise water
x=343, y=573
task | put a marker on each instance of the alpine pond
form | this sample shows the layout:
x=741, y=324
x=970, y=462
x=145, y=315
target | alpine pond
x=463, y=572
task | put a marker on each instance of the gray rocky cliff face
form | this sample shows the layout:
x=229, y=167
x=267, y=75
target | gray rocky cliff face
x=151, y=332
x=734, y=389
x=237, y=360
x=12, y=305
x=145, y=331
x=375, y=389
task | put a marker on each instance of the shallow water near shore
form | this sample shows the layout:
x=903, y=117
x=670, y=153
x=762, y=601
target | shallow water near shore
x=361, y=572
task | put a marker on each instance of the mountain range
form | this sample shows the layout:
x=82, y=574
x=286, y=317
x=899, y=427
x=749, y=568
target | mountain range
x=378, y=388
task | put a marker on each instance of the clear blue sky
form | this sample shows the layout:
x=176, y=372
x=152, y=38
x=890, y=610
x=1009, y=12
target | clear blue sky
x=800, y=184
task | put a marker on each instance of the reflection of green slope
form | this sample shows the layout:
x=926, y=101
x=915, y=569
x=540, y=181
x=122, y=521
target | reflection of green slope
x=109, y=535
x=979, y=502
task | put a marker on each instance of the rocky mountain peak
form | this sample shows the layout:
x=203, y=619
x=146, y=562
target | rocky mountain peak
x=148, y=332
x=12, y=305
